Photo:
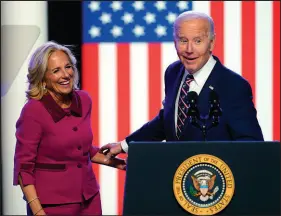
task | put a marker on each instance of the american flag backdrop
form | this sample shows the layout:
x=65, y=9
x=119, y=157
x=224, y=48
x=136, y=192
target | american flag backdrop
x=128, y=45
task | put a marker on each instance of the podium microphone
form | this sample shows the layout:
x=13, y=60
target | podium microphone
x=193, y=111
x=215, y=110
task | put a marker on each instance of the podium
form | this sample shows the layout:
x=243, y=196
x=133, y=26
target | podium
x=163, y=178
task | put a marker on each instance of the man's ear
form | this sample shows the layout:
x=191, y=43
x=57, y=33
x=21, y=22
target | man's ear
x=212, y=44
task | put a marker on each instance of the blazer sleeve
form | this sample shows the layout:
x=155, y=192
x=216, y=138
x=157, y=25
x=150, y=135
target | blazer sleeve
x=242, y=116
x=87, y=101
x=28, y=135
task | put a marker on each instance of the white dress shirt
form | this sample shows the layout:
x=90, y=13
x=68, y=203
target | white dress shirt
x=200, y=78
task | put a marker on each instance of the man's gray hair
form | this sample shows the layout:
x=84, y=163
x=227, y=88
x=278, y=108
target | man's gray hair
x=190, y=15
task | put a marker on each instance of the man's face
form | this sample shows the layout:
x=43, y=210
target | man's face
x=193, y=44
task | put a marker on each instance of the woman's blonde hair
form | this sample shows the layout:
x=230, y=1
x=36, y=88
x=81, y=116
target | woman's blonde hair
x=37, y=68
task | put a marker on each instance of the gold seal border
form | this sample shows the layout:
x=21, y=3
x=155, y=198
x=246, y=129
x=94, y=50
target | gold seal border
x=218, y=163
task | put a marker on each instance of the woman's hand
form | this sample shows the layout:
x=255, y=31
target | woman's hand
x=115, y=162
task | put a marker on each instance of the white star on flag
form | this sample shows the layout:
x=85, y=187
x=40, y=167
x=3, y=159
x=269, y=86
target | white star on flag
x=116, y=6
x=138, y=30
x=160, y=30
x=94, y=31
x=128, y=18
x=116, y=31
x=149, y=18
x=182, y=5
x=160, y=5
x=171, y=17
x=138, y=5
x=105, y=18
x=94, y=6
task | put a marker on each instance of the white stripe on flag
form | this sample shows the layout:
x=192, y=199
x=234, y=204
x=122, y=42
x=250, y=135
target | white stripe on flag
x=264, y=67
x=201, y=6
x=108, y=122
x=138, y=85
x=168, y=56
x=232, y=35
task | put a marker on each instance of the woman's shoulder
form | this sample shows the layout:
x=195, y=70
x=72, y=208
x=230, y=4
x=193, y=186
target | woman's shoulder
x=84, y=95
x=32, y=107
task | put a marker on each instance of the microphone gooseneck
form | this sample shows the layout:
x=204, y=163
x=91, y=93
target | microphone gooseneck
x=193, y=113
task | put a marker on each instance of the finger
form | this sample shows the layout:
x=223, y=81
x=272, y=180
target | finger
x=107, y=157
x=105, y=147
x=113, y=155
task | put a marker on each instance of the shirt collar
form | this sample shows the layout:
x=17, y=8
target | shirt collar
x=202, y=75
x=57, y=112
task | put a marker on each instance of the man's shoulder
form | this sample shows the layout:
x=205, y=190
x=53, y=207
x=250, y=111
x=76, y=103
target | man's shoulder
x=173, y=68
x=175, y=65
x=234, y=77
x=227, y=75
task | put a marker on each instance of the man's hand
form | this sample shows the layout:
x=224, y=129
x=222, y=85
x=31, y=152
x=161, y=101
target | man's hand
x=110, y=150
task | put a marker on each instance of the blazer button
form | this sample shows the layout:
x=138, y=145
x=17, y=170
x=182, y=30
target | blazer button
x=79, y=147
x=79, y=165
x=75, y=128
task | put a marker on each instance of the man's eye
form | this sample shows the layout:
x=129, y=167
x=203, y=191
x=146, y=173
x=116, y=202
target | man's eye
x=68, y=66
x=198, y=41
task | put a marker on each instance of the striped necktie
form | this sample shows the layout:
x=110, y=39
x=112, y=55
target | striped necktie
x=182, y=105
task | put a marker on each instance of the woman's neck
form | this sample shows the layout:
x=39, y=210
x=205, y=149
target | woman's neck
x=64, y=101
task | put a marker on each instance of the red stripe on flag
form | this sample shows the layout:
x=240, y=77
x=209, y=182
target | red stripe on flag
x=90, y=83
x=123, y=109
x=154, y=79
x=276, y=70
x=217, y=13
x=248, y=59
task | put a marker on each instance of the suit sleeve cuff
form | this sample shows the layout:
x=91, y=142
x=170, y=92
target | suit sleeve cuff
x=124, y=146
x=26, y=178
x=25, y=170
x=93, y=151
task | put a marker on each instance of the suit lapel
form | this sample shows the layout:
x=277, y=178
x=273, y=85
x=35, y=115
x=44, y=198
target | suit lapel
x=210, y=84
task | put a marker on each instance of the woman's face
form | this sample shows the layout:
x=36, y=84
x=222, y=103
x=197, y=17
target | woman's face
x=59, y=74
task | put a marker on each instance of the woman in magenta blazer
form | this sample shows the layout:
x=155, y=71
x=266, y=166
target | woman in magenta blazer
x=54, y=151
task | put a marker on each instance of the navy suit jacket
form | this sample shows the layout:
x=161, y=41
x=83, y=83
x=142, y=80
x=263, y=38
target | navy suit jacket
x=238, y=120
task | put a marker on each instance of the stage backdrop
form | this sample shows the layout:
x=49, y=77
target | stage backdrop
x=128, y=45
x=23, y=29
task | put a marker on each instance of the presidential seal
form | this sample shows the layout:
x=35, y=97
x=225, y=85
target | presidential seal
x=203, y=185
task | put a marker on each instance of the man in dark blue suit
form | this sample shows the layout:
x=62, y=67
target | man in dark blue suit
x=198, y=70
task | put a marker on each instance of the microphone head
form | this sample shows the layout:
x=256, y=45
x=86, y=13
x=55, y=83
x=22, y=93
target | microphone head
x=192, y=101
x=192, y=97
x=215, y=109
x=213, y=97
